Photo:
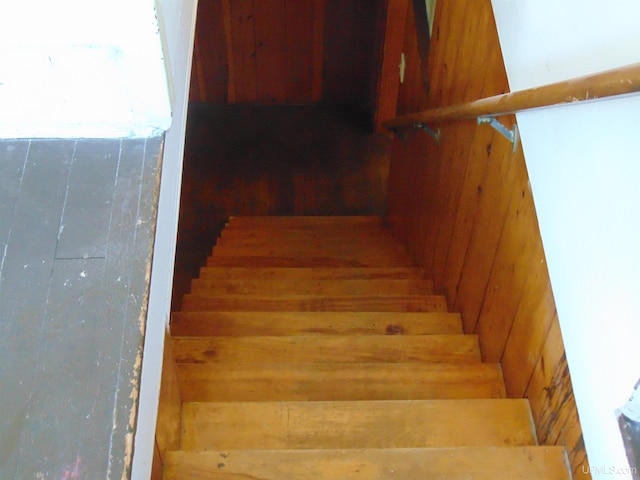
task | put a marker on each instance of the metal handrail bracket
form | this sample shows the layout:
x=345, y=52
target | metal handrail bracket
x=510, y=134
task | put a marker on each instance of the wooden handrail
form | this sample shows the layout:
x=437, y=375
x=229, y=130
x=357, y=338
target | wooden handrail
x=618, y=81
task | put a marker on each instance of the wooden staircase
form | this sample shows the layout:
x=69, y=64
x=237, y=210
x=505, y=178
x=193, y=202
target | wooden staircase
x=310, y=348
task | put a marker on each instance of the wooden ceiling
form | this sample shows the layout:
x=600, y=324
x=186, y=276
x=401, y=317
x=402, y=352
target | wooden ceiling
x=288, y=51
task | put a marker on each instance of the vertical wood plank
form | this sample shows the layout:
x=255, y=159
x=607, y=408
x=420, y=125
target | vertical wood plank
x=85, y=219
x=170, y=404
x=244, y=50
x=339, y=51
x=299, y=23
x=452, y=166
x=127, y=274
x=395, y=19
x=482, y=152
x=157, y=469
x=529, y=329
x=553, y=404
x=364, y=38
x=319, y=12
x=13, y=159
x=474, y=145
x=462, y=222
x=212, y=63
x=196, y=85
x=485, y=235
x=412, y=96
x=514, y=261
x=226, y=23
x=30, y=230
x=271, y=51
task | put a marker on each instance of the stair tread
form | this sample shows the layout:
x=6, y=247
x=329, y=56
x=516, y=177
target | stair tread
x=323, y=221
x=311, y=348
x=356, y=424
x=477, y=463
x=329, y=348
x=314, y=323
x=356, y=381
x=344, y=303
x=311, y=243
x=245, y=286
x=367, y=260
x=342, y=232
x=306, y=273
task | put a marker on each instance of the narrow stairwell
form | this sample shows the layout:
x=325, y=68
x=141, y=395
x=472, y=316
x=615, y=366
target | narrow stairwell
x=310, y=348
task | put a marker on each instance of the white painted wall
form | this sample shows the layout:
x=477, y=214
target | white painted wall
x=81, y=68
x=178, y=20
x=584, y=166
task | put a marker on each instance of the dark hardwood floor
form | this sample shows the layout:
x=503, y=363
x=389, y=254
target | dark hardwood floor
x=77, y=223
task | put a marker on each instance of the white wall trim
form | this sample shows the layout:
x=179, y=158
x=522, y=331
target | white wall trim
x=178, y=20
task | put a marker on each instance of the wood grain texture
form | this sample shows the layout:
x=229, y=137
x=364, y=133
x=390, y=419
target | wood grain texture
x=339, y=51
x=553, y=405
x=272, y=67
x=313, y=287
x=364, y=424
x=479, y=463
x=299, y=39
x=211, y=63
x=157, y=467
x=286, y=52
x=238, y=324
x=243, y=49
x=515, y=268
x=322, y=223
x=389, y=77
x=169, y=405
x=363, y=381
x=619, y=81
x=343, y=257
x=464, y=209
x=310, y=303
x=315, y=273
x=328, y=348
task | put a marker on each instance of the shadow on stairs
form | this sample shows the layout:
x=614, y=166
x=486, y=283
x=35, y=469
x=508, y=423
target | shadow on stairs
x=310, y=348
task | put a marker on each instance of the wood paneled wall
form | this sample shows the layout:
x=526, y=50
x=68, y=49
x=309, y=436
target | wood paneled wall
x=465, y=210
x=169, y=425
x=287, y=51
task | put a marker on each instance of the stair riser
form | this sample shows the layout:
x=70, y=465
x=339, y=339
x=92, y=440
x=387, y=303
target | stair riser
x=323, y=349
x=396, y=303
x=223, y=324
x=486, y=463
x=312, y=287
x=320, y=425
x=305, y=261
x=271, y=223
x=317, y=382
x=317, y=273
